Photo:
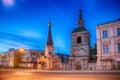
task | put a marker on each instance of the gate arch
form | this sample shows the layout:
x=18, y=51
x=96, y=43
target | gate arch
x=78, y=66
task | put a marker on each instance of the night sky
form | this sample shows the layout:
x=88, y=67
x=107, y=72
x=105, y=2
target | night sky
x=24, y=23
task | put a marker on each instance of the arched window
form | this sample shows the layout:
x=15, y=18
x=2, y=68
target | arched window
x=79, y=40
x=49, y=52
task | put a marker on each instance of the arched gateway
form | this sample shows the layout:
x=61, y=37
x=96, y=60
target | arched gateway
x=78, y=66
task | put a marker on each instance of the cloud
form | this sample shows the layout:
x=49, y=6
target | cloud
x=9, y=40
x=30, y=33
x=8, y=3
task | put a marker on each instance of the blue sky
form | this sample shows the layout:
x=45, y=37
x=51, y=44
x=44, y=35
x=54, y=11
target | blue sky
x=24, y=24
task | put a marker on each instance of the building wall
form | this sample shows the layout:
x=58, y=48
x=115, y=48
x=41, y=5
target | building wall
x=3, y=59
x=29, y=58
x=49, y=53
x=92, y=66
x=112, y=41
x=11, y=57
x=80, y=49
x=17, y=58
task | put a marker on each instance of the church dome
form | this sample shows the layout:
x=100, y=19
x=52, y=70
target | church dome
x=79, y=29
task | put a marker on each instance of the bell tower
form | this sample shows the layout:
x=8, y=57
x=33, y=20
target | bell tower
x=80, y=47
x=80, y=20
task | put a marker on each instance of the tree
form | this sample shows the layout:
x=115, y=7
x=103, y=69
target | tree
x=94, y=51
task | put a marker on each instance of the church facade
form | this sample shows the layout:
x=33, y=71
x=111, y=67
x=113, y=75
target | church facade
x=49, y=60
x=80, y=47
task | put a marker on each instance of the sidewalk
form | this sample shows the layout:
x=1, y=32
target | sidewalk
x=16, y=69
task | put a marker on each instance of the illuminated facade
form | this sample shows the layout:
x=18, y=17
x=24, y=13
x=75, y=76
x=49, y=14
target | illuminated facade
x=108, y=45
x=3, y=59
x=80, y=47
x=49, y=60
x=11, y=58
x=29, y=58
x=108, y=51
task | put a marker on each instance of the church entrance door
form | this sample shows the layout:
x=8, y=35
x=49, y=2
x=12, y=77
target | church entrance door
x=78, y=66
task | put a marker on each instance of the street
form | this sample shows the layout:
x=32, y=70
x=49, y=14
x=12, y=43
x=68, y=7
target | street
x=29, y=75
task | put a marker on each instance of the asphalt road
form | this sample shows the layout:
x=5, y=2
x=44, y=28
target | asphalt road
x=25, y=75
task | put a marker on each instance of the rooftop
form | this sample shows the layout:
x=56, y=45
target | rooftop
x=79, y=29
x=116, y=20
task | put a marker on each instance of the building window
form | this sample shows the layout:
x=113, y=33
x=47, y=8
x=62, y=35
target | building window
x=118, y=47
x=79, y=40
x=118, y=31
x=105, y=34
x=106, y=49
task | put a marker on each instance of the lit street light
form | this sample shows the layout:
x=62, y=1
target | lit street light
x=17, y=56
x=21, y=49
x=2, y=54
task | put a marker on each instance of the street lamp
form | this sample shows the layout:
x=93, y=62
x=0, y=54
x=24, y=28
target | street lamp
x=21, y=49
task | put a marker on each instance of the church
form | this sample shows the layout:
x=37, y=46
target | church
x=79, y=58
x=80, y=47
x=49, y=60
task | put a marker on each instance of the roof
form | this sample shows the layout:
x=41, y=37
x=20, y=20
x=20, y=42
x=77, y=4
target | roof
x=109, y=22
x=49, y=39
x=61, y=54
x=79, y=29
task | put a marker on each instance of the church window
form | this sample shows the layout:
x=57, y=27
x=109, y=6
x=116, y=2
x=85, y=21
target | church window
x=49, y=52
x=79, y=40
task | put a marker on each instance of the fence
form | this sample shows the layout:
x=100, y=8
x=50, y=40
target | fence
x=71, y=67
